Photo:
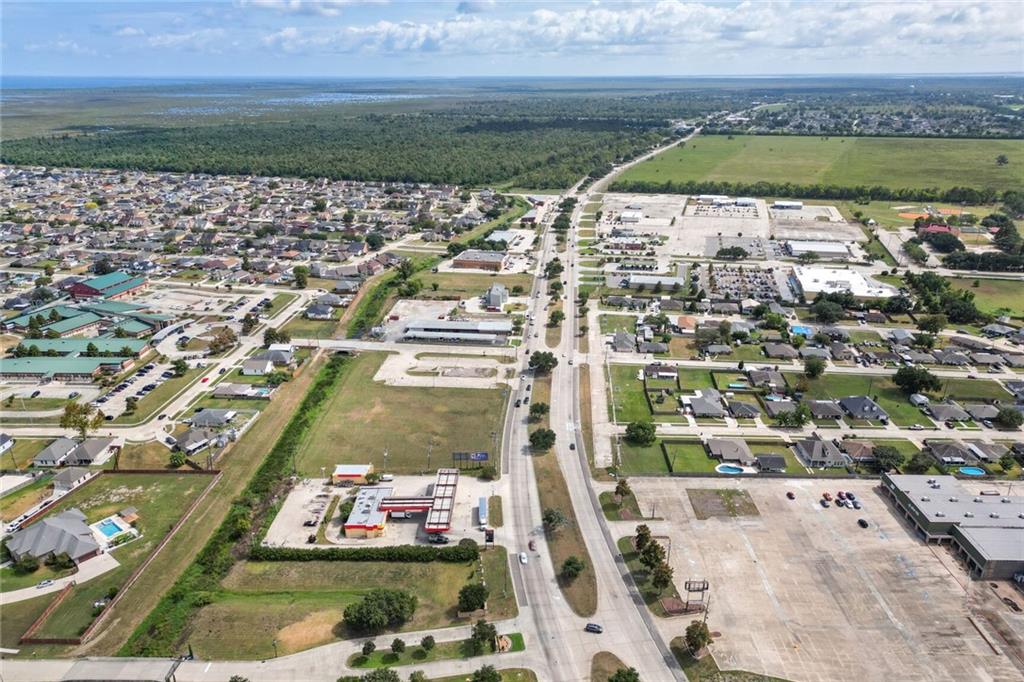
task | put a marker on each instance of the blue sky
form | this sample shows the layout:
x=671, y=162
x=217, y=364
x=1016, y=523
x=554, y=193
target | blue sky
x=352, y=38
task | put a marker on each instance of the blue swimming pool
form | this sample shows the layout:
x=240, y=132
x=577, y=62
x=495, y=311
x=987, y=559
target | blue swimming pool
x=972, y=471
x=802, y=330
x=728, y=469
x=108, y=528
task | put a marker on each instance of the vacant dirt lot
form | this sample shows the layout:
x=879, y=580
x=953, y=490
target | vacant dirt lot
x=803, y=593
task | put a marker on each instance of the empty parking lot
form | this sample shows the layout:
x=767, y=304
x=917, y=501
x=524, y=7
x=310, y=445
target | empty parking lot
x=803, y=593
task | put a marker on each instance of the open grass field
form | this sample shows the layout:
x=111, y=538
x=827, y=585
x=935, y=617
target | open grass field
x=21, y=454
x=706, y=669
x=891, y=162
x=640, y=459
x=237, y=467
x=689, y=457
x=627, y=402
x=507, y=675
x=993, y=295
x=278, y=303
x=144, y=455
x=300, y=604
x=604, y=665
x=618, y=323
x=160, y=500
x=366, y=417
x=652, y=597
x=300, y=327
x=467, y=284
x=14, y=504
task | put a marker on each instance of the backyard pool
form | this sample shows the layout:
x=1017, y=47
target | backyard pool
x=728, y=469
x=802, y=330
x=972, y=471
x=109, y=528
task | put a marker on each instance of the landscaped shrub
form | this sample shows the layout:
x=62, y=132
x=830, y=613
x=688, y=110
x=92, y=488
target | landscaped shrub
x=399, y=553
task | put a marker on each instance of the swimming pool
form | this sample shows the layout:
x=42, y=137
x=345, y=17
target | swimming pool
x=728, y=469
x=109, y=528
x=801, y=330
x=972, y=471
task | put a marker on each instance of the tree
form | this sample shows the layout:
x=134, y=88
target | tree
x=1006, y=462
x=397, y=645
x=249, y=322
x=827, y=311
x=272, y=336
x=1002, y=160
x=814, y=367
x=1009, y=418
x=625, y=675
x=131, y=403
x=622, y=488
x=483, y=633
x=652, y=555
x=572, y=567
x=486, y=673
x=301, y=275
x=81, y=417
x=538, y=410
x=661, y=576
x=238, y=678
x=553, y=519
x=223, y=339
x=807, y=257
x=473, y=596
x=379, y=609
x=369, y=647
x=179, y=367
x=556, y=318
x=381, y=675
x=697, y=635
x=26, y=564
x=933, y=324
x=887, y=458
x=542, y=362
x=427, y=642
x=177, y=459
x=916, y=380
x=641, y=433
x=918, y=464
x=375, y=240
x=542, y=440
x=642, y=537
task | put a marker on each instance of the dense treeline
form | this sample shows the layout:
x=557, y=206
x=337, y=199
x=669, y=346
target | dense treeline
x=989, y=261
x=425, y=147
x=412, y=553
x=968, y=195
x=160, y=632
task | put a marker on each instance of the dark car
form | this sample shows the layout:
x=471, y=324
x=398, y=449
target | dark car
x=862, y=523
x=594, y=627
x=824, y=503
x=790, y=495
x=519, y=403
x=532, y=545
x=438, y=539
x=35, y=394
x=309, y=523
x=850, y=496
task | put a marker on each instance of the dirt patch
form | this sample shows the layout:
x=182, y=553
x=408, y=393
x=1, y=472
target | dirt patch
x=316, y=628
x=710, y=503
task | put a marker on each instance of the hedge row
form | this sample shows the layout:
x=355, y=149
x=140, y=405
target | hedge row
x=159, y=634
x=407, y=553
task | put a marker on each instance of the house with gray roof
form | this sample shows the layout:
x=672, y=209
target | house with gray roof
x=780, y=350
x=951, y=357
x=986, y=359
x=707, y=403
x=986, y=452
x=824, y=409
x=815, y=352
x=981, y=411
x=901, y=336
x=742, y=410
x=949, y=452
x=817, y=453
x=731, y=450
x=947, y=412
x=64, y=533
x=92, y=451
x=55, y=453
x=766, y=378
x=777, y=407
x=194, y=440
x=212, y=418
x=624, y=342
x=70, y=478
x=718, y=349
x=863, y=407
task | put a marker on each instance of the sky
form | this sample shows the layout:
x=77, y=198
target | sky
x=381, y=38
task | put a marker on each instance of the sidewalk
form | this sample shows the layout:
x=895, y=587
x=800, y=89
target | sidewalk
x=87, y=570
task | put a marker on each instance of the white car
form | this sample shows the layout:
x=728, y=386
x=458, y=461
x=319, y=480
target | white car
x=523, y=559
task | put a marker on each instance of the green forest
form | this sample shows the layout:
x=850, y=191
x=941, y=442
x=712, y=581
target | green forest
x=449, y=147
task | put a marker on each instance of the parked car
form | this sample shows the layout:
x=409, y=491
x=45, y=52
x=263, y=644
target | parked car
x=594, y=627
x=438, y=539
x=850, y=496
x=532, y=545
x=519, y=403
x=44, y=583
x=73, y=395
x=856, y=504
x=862, y=523
x=170, y=440
x=841, y=495
x=824, y=502
x=827, y=495
x=917, y=427
x=790, y=495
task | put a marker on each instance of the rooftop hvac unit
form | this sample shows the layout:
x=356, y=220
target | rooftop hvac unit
x=931, y=481
x=1005, y=500
x=993, y=515
x=977, y=499
x=954, y=499
x=940, y=514
x=969, y=515
x=926, y=499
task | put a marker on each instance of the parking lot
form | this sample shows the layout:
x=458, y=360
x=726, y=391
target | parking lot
x=802, y=592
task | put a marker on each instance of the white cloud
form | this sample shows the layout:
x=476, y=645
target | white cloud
x=326, y=8
x=62, y=46
x=129, y=32
x=201, y=40
x=475, y=6
x=675, y=29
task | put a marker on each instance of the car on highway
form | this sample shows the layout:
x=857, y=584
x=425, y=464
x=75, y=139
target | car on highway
x=594, y=627
x=572, y=446
x=35, y=394
x=205, y=379
x=519, y=403
x=532, y=545
x=523, y=559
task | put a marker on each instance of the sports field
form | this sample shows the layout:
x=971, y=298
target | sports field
x=892, y=162
x=365, y=417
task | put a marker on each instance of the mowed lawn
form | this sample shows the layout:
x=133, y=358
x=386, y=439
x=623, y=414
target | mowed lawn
x=627, y=394
x=160, y=500
x=301, y=604
x=892, y=162
x=467, y=284
x=992, y=295
x=366, y=417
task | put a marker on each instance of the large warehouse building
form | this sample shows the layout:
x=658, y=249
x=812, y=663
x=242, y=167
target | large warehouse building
x=815, y=280
x=487, y=332
x=987, y=531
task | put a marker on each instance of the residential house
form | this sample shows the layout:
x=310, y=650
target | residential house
x=824, y=409
x=947, y=412
x=742, y=410
x=55, y=453
x=766, y=378
x=782, y=351
x=776, y=407
x=624, y=342
x=319, y=312
x=860, y=451
x=92, y=451
x=820, y=454
x=730, y=450
x=70, y=478
x=64, y=533
x=775, y=464
x=257, y=367
x=707, y=403
x=949, y=453
x=194, y=440
x=212, y=418
x=979, y=412
x=863, y=407
x=659, y=371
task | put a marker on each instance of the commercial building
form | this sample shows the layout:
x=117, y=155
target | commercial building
x=477, y=259
x=353, y=473
x=827, y=250
x=788, y=205
x=72, y=370
x=816, y=280
x=631, y=216
x=111, y=286
x=374, y=504
x=985, y=530
x=487, y=332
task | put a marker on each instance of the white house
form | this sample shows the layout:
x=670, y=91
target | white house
x=257, y=368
